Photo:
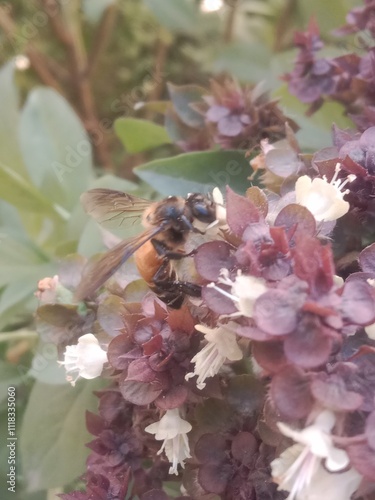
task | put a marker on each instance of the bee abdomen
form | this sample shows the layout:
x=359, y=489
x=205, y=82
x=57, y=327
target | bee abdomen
x=148, y=262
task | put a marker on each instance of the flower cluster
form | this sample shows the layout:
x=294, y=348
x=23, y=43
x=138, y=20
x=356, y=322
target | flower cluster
x=234, y=114
x=347, y=78
x=263, y=387
x=227, y=114
x=274, y=350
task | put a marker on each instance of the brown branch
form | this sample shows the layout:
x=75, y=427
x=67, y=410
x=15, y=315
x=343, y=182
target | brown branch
x=40, y=66
x=80, y=80
x=161, y=56
x=52, y=10
x=38, y=61
x=61, y=73
x=282, y=24
x=102, y=38
x=230, y=21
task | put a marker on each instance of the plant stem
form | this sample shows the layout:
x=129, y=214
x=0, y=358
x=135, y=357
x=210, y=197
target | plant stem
x=23, y=333
x=230, y=21
x=282, y=24
x=102, y=38
x=38, y=61
x=66, y=25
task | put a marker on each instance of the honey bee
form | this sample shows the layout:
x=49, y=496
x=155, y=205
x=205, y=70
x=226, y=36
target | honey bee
x=167, y=224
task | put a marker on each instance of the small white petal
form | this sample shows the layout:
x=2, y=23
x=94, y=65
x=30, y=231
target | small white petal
x=221, y=346
x=86, y=359
x=172, y=429
x=299, y=468
x=169, y=426
x=245, y=290
x=221, y=211
x=370, y=330
x=338, y=280
x=323, y=199
x=337, y=460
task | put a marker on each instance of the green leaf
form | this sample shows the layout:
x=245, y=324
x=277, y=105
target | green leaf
x=53, y=434
x=9, y=376
x=91, y=240
x=179, y=16
x=246, y=61
x=45, y=367
x=17, y=259
x=315, y=132
x=10, y=153
x=56, y=148
x=327, y=19
x=24, y=287
x=172, y=488
x=10, y=221
x=19, y=192
x=182, y=97
x=19, y=493
x=152, y=106
x=22, y=312
x=140, y=135
x=197, y=172
x=94, y=9
x=17, y=300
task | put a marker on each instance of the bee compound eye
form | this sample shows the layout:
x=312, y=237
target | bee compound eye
x=204, y=212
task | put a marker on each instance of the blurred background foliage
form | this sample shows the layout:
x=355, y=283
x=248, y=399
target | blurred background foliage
x=73, y=117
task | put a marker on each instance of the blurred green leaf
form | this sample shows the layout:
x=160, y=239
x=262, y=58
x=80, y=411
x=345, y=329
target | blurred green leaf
x=20, y=313
x=56, y=148
x=52, y=441
x=94, y=9
x=19, y=493
x=9, y=376
x=172, y=488
x=315, y=132
x=44, y=366
x=18, y=258
x=184, y=95
x=197, y=172
x=112, y=182
x=19, y=192
x=176, y=129
x=153, y=106
x=91, y=240
x=327, y=19
x=10, y=221
x=247, y=61
x=140, y=135
x=24, y=287
x=10, y=153
x=179, y=16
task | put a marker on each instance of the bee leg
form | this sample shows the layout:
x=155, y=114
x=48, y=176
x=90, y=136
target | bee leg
x=171, y=290
x=164, y=251
x=175, y=297
x=165, y=282
x=178, y=286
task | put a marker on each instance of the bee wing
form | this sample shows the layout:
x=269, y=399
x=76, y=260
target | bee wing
x=98, y=272
x=107, y=206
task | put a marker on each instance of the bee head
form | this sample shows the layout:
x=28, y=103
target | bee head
x=202, y=207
